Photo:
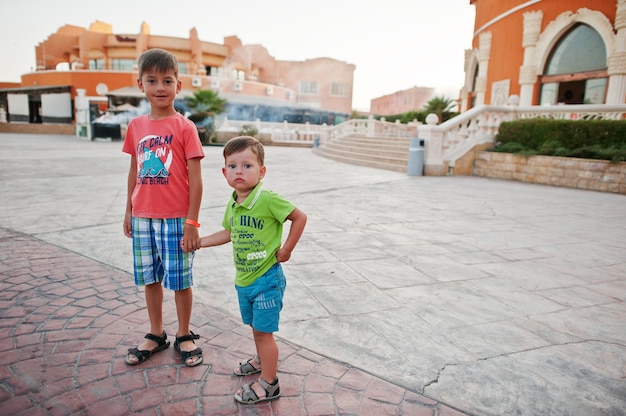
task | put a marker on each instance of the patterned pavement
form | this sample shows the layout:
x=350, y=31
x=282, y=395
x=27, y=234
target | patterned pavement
x=66, y=322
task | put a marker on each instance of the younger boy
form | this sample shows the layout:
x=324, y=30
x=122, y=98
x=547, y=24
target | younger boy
x=254, y=223
x=164, y=193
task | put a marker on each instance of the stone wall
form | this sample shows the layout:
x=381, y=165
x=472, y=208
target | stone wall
x=590, y=174
x=37, y=128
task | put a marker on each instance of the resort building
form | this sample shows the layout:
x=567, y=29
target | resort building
x=546, y=53
x=102, y=66
x=527, y=52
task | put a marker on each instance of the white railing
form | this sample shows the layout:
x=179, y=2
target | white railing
x=444, y=143
x=278, y=132
x=306, y=133
x=447, y=142
x=371, y=127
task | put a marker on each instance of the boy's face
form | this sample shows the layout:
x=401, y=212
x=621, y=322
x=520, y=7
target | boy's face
x=160, y=87
x=243, y=171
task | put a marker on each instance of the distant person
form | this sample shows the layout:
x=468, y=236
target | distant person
x=163, y=202
x=253, y=221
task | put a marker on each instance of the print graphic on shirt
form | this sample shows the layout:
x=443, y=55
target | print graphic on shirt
x=249, y=250
x=155, y=157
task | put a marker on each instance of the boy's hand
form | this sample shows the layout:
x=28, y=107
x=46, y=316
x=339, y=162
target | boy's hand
x=298, y=221
x=128, y=226
x=191, y=239
x=282, y=255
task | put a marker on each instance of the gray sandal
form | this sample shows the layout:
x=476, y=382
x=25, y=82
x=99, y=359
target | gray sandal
x=246, y=368
x=248, y=396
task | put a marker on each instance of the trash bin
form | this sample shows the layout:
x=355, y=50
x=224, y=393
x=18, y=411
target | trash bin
x=316, y=141
x=416, y=157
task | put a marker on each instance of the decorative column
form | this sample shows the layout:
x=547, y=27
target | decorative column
x=617, y=59
x=528, y=70
x=465, y=91
x=484, y=51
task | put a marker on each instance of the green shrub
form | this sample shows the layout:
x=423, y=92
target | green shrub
x=248, y=130
x=591, y=139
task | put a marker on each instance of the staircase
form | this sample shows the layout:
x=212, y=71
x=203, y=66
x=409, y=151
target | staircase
x=390, y=153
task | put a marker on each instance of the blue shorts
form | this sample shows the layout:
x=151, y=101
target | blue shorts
x=261, y=302
x=157, y=255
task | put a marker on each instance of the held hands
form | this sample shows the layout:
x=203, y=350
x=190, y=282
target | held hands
x=191, y=239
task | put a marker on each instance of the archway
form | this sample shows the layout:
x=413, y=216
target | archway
x=576, y=69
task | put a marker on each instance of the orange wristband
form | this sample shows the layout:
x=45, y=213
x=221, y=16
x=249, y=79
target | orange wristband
x=192, y=222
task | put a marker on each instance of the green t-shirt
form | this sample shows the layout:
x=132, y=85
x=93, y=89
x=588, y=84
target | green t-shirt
x=256, y=228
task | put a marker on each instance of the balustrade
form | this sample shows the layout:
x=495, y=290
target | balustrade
x=447, y=142
x=444, y=143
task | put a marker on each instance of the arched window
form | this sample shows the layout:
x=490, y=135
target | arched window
x=576, y=71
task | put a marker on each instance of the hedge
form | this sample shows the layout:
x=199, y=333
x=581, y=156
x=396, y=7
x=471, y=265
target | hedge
x=591, y=139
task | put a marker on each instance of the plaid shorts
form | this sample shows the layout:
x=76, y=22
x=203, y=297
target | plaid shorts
x=157, y=255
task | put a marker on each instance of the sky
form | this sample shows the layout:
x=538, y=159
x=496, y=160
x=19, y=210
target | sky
x=394, y=44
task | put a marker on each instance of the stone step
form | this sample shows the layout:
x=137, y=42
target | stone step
x=396, y=142
x=379, y=150
x=382, y=153
x=396, y=165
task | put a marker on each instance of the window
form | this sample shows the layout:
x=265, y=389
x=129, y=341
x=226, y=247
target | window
x=308, y=87
x=339, y=89
x=219, y=72
x=595, y=91
x=582, y=49
x=576, y=71
x=95, y=64
x=182, y=67
x=122, y=64
x=549, y=91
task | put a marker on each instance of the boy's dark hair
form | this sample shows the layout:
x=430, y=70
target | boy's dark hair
x=241, y=143
x=158, y=59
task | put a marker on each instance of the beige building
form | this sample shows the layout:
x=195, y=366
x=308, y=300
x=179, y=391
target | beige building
x=412, y=99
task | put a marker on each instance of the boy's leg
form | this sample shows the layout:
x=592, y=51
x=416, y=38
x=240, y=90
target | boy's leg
x=184, y=302
x=267, y=350
x=265, y=319
x=264, y=314
x=178, y=277
x=154, y=303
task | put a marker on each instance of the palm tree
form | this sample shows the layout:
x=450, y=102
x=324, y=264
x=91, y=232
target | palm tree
x=206, y=104
x=440, y=106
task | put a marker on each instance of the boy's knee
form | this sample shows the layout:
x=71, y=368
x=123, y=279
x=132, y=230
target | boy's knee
x=262, y=334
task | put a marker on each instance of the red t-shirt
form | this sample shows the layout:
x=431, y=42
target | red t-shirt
x=162, y=148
